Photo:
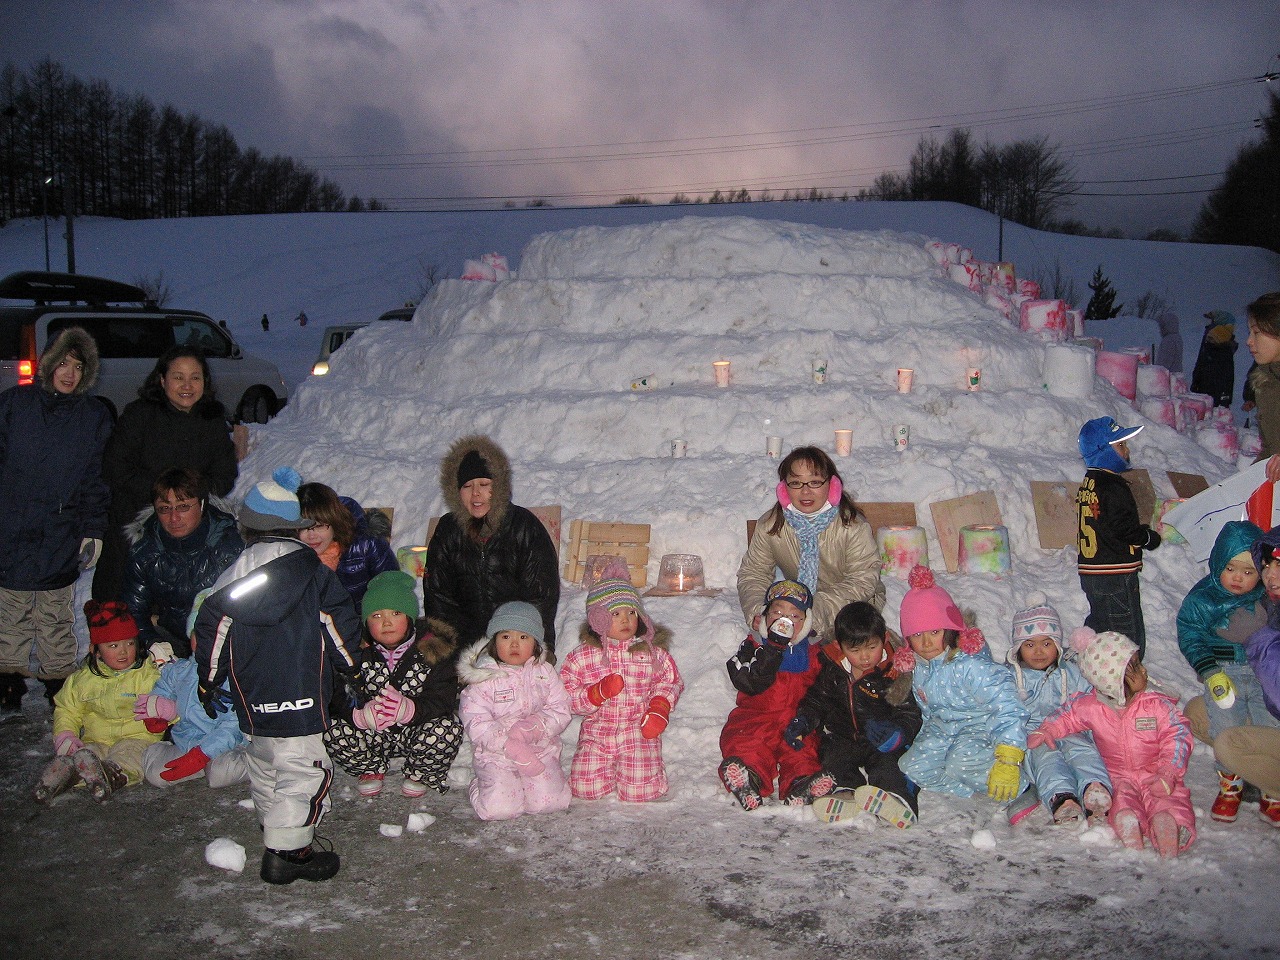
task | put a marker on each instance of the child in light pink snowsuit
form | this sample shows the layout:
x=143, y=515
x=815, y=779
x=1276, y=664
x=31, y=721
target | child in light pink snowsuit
x=514, y=709
x=1144, y=739
x=624, y=683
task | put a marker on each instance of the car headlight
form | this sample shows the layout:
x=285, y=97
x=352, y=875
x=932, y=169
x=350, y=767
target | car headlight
x=320, y=369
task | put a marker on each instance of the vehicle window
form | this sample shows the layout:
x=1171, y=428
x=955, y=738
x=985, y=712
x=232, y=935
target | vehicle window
x=10, y=339
x=122, y=336
x=200, y=333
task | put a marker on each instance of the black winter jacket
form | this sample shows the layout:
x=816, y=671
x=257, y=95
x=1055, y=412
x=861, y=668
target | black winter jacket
x=275, y=630
x=1111, y=537
x=51, y=491
x=162, y=575
x=427, y=674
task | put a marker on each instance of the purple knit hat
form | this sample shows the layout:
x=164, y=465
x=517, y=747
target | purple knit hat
x=611, y=591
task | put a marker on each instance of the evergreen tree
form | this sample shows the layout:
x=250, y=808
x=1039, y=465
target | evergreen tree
x=1102, y=305
x=1245, y=208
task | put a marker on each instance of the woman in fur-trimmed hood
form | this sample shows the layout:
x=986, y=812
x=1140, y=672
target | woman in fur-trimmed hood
x=53, y=508
x=487, y=550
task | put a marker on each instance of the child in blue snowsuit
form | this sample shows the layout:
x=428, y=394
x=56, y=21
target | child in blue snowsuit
x=1071, y=774
x=974, y=733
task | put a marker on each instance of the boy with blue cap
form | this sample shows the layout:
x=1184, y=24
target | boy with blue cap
x=1111, y=535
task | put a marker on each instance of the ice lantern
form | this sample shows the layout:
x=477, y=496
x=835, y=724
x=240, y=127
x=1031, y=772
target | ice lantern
x=901, y=548
x=680, y=573
x=984, y=548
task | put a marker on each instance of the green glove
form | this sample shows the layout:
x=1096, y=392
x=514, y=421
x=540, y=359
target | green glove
x=1002, y=781
x=1221, y=690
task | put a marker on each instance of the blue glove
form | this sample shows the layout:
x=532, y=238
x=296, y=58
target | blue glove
x=883, y=735
x=796, y=731
x=215, y=700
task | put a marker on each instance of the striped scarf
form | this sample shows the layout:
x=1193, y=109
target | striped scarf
x=808, y=527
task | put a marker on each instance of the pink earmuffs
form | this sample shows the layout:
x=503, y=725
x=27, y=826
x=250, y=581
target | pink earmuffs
x=833, y=492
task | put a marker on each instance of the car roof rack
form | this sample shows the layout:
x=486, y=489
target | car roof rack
x=45, y=287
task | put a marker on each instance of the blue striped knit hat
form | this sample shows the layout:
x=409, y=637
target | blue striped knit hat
x=791, y=591
x=611, y=591
x=273, y=504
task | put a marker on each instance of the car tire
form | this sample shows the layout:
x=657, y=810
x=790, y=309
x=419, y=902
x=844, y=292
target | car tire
x=256, y=406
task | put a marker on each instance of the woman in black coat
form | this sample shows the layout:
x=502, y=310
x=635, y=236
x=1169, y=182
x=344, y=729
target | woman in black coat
x=486, y=550
x=176, y=422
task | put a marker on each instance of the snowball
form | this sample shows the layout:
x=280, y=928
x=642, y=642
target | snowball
x=246, y=804
x=225, y=854
x=983, y=840
x=420, y=821
x=391, y=829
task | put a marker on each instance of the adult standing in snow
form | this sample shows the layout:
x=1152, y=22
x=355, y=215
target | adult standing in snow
x=1169, y=352
x=176, y=421
x=177, y=547
x=487, y=550
x=266, y=324
x=1215, y=369
x=815, y=535
x=1264, y=344
x=53, y=510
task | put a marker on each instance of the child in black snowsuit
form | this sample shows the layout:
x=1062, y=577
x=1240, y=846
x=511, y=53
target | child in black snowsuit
x=868, y=717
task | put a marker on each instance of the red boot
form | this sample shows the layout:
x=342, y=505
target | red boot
x=1226, y=807
x=1269, y=810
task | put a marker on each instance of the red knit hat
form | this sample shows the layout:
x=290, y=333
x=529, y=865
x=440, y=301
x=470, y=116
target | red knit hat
x=109, y=621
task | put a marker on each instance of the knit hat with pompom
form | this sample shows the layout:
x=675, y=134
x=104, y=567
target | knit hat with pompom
x=109, y=621
x=1104, y=658
x=928, y=607
x=1037, y=620
x=611, y=591
x=273, y=504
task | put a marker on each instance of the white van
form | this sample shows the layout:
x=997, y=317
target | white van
x=336, y=336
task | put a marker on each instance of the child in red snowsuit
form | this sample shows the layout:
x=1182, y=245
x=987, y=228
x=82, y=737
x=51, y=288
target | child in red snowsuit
x=624, y=683
x=772, y=673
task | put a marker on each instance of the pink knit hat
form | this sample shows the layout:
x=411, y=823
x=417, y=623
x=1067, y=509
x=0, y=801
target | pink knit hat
x=1104, y=657
x=927, y=606
x=611, y=591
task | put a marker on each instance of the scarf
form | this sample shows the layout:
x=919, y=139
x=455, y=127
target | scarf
x=808, y=527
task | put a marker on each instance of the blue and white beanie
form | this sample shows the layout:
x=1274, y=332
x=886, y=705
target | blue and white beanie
x=273, y=504
x=1038, y=620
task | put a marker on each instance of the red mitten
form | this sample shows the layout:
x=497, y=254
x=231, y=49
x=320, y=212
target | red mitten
x=189, y=764
x=605, y=689
x=655, y=718
x=155, y=725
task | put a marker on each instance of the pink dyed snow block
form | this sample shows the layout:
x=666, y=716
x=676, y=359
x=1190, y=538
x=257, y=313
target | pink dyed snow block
x=1047, y=319
x=1178, y=385
x=901, y=548
x=1196, y=406
x=995, y=298
x=958, y=254
x=499, y=263
x=478, y=270
x=1220, y=439
x=1153, y=381
x=1142, y=353
x=1002, y=276
x=986, y=271
x=1160, y=409
x=965, y=274
x=1222, y=415
x=1121, y=371
x=1075, y=320
x=1250, y=442
x=1029, y=288
x=936, y=249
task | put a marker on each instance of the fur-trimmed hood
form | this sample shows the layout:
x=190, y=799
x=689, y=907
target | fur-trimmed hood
x=476, y=666
x=500, y=470
x=661, y=638
x=56, y=352
x=437, y=641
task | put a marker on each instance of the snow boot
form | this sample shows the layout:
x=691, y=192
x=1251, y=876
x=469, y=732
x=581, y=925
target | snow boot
x=307, y=863
x=837, y=806
x=100, y=776
x=13, y=686
x=1250, y=793
x=1269, y=810
x=1164, y=835
x=1066, y=809
x=739, y=780
x=805, y=790
x=1128, y=829
x=370, y=784
x=1226, y=807
x=58, y=777
x=1022, y=806
x=885, y=806
x=1097, y=801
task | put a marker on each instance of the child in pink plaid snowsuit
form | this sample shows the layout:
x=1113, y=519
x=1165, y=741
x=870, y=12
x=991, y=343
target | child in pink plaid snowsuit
x=624, y=683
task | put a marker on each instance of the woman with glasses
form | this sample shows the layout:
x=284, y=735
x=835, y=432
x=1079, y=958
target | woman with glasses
x=177, y=547
x=815, y=535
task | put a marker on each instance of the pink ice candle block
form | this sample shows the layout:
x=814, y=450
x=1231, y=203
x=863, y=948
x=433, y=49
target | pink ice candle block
x=1028, y=288
x=965, y=274
x=1142, y=353
x=938, y=250
x=1002, y=277
x=1121, y=371
x=1075, y=322
x=1220, y=439
x=984, y=548
x=1195, y=406
x=901, y=548
x=995, y=298
x=1047, y=319
x=1153, y=380
x=1160, y=409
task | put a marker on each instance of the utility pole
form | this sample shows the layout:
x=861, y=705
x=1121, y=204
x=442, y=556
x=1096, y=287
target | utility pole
x=44, y=215
x=69, y=203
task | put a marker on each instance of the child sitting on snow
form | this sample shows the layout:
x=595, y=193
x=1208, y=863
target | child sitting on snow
x=868, y=719
x=1071, y=775
x=974, y=728
x=96, y=737
x=514, y=709
x=402, y=699
x=1219, y=614
x=199, y=745
x=624, y=683
x=1144, y=740
x=771, y=674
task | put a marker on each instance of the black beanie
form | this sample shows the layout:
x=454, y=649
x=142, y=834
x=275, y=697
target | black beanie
x=473, y=467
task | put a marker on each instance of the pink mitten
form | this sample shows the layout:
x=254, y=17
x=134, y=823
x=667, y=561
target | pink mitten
x=366, y=717
x=65, y=744
x=154, y=707
x=1164, y=782
x=393, y=707
x=523, y=756
x=528, y=730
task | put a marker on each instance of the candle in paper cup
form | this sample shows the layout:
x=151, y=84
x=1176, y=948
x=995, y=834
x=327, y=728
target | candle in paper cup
x=820, y=370
x=906, y=376
x=844, y=442
x=678, y=448
x=412, y=560
x=643, y=383
x=721, y=368
x=901, y=436
x=973, y=379
x=773, y=447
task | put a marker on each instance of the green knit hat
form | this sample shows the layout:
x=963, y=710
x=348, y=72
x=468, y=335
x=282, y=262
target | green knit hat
x=393, y=590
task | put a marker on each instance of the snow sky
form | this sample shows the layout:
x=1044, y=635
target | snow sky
x=565, y=99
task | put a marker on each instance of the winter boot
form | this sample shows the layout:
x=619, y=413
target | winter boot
x=413, y=789
x=370, y=784
x=13, y=686
x=1065, y=809
x=1097, y=801
x=739, y=780
x=885, y=806
x=307, y=863
x=51, y=688
x=805, y=790
x=1250, y=793
x=1164, y=835
x=1022, y=806
x=93, y=772
x=837, y=806
x=58, y=777
x=1226, y=807
x=1269, y=810
x=1128, y=829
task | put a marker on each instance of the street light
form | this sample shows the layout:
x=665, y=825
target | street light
x=44, y=213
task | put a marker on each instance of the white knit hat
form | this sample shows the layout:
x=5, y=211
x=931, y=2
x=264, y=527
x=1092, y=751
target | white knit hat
x=1104, y=658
